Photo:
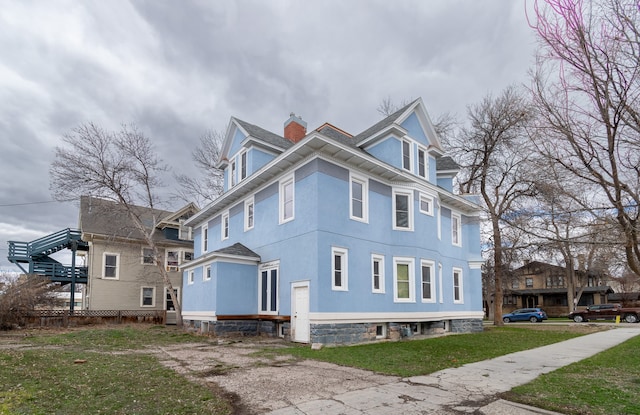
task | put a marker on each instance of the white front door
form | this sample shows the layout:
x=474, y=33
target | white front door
x=300, y=312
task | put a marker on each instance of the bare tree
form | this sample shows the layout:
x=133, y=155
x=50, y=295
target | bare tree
x=120, y=166
x=587, y=88
x=496, y=160
x=209, y=185
x=26, y=293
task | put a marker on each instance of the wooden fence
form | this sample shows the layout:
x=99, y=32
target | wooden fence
x=66, y=318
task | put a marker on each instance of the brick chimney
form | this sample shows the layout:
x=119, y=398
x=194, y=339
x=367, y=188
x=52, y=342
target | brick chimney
x=295, y=128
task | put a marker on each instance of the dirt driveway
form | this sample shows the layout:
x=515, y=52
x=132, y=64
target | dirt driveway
x=264, y=384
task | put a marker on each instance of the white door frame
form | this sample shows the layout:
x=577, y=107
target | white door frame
x=294, y=321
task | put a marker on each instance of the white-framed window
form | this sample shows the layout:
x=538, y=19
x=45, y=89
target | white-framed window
x=287, y=197
x=148, y=257
x=268, y=288
x=426, y=204
x=359, y=196
x=456, y=229
x=403, y=210
x=205, y=238
x=339, y=269
x=249, y=206
x=187, y=256
x=458, y=297
x=423, y=163
x=377, y=273
x=428, y=283
x=403, y=280
x=206, y=275
x=243, y=165
x=172, y=260
x=147, y=296
x=224, y=226
x=110, y=266
x=232, y=174
x=381, y=331
x=406, y=155
x=190, y=277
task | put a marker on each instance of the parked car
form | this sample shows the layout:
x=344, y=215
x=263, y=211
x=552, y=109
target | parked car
x=606, y=312
x=523, y=314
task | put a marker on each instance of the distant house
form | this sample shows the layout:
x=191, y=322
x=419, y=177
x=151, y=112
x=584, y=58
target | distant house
x=537, y=284
x=326, y=237
x=122, y=272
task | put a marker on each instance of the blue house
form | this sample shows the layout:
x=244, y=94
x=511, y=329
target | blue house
x=325, y=237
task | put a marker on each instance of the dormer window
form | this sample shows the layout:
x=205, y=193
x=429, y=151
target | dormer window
x=422, y=163
x=232, y=179
x=243, y=165
x=406, y=155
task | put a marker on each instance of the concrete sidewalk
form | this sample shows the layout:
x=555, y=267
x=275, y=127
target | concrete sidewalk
x=467, y=389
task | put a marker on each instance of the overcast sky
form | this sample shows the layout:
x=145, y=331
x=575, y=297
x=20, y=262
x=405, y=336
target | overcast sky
x=179, y=68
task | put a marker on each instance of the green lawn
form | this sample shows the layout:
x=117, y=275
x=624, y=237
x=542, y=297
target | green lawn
x=96, y=371
x=419, y=357
x=108, y=370
x=607, y=383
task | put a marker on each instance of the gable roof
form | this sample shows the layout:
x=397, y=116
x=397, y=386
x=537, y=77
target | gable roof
x=382, y=124
x=263, y=135
x=109, y=219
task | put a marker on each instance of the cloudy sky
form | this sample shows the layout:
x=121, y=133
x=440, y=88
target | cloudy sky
x=179, y=68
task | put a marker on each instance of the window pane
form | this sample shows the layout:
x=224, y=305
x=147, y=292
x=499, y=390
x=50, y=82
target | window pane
x=250, y=216
x=402, y=273
x=274, y=289
x=288, y=200
x=147, y=296
x=356, y=199
x=426, y=282
x=421, y=166
x=406, y=158
x=402, y=211
x=337, y=266
x=376, y=275
x=265, y=287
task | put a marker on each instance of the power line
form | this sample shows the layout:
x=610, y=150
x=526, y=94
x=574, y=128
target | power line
x=36, y=203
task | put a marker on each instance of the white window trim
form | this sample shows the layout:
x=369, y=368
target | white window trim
x=456, y=229
x=284, y=182
x=365, y=197
x=223, y=228
x=439, y=221
x=426, y=162
x=190, y=277
x=441, y=291
x=247, y=203
x=104, y=265
x=410, y=142
x=429, y=199
x=460, y=286
x=412, y=279
x=380, y=259
x=344, y=253
x=206, y=273
x=409, y=194
x=205, y=238
x=166, y=291
x=269, y=267
x=153, y=297
x=153, y=262
x=166, y=259
x=432, y=266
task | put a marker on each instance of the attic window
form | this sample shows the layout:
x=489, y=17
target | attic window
x=406, y=155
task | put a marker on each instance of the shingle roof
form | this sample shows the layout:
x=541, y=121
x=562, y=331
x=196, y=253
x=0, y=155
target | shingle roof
x=239, y=250
x=446, y=163
x=333, y=133
x=264, y=135
x=110, y=219
x=381, y=125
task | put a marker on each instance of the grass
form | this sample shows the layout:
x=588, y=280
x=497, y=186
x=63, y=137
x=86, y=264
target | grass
x=420, y=357
x=95, y=371
x=607, y=383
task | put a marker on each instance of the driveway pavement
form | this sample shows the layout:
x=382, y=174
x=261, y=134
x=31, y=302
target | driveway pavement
x=285, y=386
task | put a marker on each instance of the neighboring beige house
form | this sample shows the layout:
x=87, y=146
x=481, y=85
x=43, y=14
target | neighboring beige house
x=122, y=272
x=537, y=284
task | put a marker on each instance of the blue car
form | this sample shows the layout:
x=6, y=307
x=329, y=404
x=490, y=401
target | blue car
x=525, y=314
